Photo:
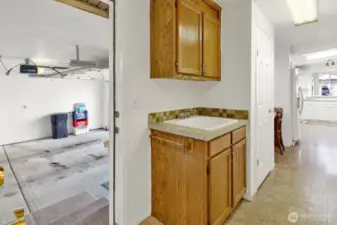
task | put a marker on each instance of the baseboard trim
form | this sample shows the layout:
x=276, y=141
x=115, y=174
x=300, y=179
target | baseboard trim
x=151, y=221
x=248, y=197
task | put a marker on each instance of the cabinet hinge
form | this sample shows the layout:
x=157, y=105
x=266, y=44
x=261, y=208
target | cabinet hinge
x=176, y=3
x=177, y=64
x=257, y=52
x=207, y=169
x=257, y=162
x=116, y=130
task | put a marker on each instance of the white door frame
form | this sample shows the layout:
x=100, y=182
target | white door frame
x=295, y=117
x=112, y=117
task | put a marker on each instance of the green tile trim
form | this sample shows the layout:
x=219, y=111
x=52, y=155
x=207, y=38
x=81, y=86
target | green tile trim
x=224, y=113
x=159, y=117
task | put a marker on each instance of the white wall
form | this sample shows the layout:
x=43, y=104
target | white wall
x=235, y=89
x=306, y=83
x=26, y=104
x=283, y=88
x=138, y=95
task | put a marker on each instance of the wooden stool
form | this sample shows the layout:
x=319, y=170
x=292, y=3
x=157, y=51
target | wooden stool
x=278, y=129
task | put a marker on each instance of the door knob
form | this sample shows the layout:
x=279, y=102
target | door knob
x=19, y=216
x=2, y=176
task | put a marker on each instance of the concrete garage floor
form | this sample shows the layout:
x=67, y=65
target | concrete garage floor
x=42, y=172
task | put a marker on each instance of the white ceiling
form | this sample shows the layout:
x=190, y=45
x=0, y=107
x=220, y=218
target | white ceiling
x=48, y=31
x=303, y=37
x=278, y=13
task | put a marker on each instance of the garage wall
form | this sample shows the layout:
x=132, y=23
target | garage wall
x=26, y=104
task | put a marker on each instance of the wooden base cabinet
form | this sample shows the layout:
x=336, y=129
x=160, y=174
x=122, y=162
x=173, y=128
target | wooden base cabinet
x=238, y=172
x=220, y=206
x=196, y=182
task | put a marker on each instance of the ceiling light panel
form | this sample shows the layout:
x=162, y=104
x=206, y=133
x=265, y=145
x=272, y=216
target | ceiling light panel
x=303, y=11
x=321, y=55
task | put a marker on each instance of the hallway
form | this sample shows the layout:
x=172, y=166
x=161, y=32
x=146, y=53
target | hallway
x=302, y=186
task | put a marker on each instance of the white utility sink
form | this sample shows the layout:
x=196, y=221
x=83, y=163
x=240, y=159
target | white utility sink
x=203, y=122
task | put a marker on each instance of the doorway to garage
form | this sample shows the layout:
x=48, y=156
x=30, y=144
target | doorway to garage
x=54, y=88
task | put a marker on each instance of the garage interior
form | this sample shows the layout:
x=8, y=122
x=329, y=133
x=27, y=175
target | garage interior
x=50, y=178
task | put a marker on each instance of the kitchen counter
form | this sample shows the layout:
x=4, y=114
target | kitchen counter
x=199, y=134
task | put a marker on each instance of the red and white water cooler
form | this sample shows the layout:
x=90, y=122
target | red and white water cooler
x=80, y=119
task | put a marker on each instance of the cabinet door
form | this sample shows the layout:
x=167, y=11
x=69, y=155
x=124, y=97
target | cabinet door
x=220, y=188
x=179, y=180
x=189, y=39
x=211, y=46
x=238, y=172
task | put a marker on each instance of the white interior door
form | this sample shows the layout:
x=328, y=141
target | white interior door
x=265, y=104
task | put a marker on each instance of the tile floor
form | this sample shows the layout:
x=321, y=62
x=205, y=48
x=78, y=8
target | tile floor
x=303, y=184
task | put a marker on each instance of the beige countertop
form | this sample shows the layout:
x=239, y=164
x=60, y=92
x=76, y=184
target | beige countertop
x=194, y=133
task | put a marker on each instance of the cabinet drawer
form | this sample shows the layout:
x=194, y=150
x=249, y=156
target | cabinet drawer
x=219, y=144
x=239, y=134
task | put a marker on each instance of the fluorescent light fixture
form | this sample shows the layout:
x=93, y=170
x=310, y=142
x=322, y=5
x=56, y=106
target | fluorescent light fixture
x=321, y=54
x=303, y=11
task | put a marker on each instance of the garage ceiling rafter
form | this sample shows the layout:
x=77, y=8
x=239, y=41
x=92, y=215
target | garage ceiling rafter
x=96, y=7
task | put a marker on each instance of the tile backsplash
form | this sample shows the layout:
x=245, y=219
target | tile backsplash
x=225, y=113
x=159, y=117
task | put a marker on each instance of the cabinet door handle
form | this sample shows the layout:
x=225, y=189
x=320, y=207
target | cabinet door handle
x=2, y=176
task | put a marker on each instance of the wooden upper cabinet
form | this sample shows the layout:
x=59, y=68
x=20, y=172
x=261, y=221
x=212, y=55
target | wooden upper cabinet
x=220, y=188
x=189, y=39
x=211, y=47
x=238, y=172
x=185, y=39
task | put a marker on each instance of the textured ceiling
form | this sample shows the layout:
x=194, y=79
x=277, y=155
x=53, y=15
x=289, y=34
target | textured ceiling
x=306, y=37
x=49, y=31
x=278, y=13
